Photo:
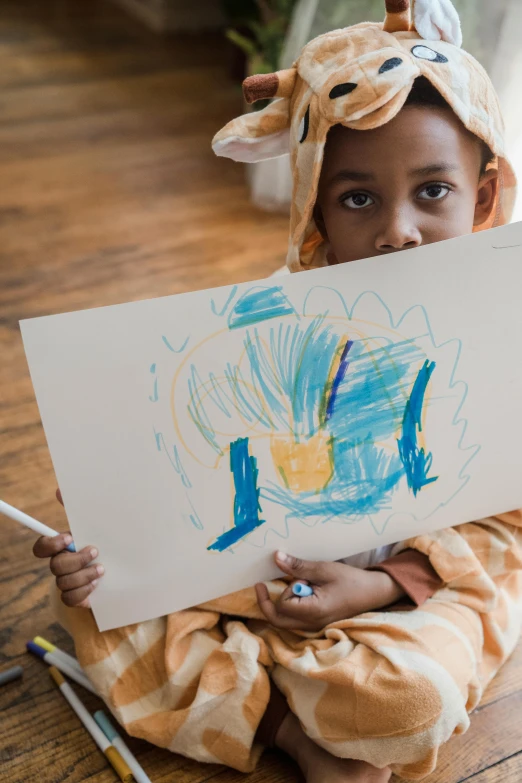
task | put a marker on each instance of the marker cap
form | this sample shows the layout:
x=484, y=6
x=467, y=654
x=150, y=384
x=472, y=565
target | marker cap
x=41, y=642
x=105, y=725
x=56, y=675
x=120, y=766
x=36, y=649
x=302, y=591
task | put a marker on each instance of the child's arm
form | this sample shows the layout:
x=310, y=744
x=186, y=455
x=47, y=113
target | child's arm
x=479, y=562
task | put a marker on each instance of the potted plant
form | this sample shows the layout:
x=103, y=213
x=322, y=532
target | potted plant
x=259, y=28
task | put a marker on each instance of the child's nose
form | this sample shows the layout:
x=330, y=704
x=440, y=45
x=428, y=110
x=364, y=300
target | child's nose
x=398, y=232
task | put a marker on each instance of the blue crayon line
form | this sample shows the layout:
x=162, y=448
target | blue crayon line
x=175, y=350
x=246, y=501
x=224, y=308
x=259, y=304
x=154, y=396
x=417, y=463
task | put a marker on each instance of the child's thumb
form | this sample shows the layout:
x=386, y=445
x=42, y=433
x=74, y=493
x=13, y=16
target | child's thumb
x=308, y=570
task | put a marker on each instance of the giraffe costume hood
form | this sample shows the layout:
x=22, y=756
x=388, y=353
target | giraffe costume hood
x=360, y=77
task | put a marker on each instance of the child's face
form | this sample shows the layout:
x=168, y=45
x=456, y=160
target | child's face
x=413, y=181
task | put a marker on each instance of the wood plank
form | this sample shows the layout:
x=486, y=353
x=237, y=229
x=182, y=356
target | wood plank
x=508, y=681
x=494, y=735
x=503, y=772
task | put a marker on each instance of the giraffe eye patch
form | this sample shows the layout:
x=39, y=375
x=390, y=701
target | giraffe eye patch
x=342, y=89
x=390, y=64
x=425, y=53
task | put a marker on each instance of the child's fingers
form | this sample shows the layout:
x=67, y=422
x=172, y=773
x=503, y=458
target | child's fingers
x=69, y=562
x=271, y=613
x=48, y=546
x=78, y=597
x=288, y=595
x=80, y=578
x=304, y=609
x=265, y=603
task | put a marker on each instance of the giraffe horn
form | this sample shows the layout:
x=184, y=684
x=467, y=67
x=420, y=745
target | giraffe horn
x=269, y=85
x=398, y=16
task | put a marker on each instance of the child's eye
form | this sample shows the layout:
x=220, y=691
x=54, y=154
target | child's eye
x=358, y=200
x=434, y=192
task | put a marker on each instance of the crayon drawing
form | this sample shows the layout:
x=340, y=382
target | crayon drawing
x=325, y=414
x=316, y=414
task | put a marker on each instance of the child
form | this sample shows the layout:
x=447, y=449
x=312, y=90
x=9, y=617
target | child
x=367, y=690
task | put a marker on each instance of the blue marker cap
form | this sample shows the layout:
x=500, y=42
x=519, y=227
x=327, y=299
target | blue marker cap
x=105, y=725
x=71, y=547
x=301, y=590
x=36, y=649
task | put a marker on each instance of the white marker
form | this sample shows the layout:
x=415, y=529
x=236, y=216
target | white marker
x=110, y=752
x=65, y=657
x=139, y=774
x=55, y=660
x=32, y=524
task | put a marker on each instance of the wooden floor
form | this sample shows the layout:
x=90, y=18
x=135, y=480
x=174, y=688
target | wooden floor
x=109, y=192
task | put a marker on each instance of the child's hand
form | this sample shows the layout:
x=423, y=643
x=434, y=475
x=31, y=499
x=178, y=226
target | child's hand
x=75, y=578
x=340, y=592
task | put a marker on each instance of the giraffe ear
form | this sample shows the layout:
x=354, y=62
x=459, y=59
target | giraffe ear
x=256, y=136
x=437, y=20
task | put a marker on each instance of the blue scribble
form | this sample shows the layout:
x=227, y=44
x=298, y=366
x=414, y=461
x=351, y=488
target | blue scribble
x=417, y=463
x=225, y=306
x=259, y=304
x=365, y=480
x=194, y=517
x=197, y=412
x=282, y=388
x=474, y=449
x=174, y=459
x=175, y=350
x=246, y=500
x=306, y=376
x=154, y=397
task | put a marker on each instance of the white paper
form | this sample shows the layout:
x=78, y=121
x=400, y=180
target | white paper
x=382, y=402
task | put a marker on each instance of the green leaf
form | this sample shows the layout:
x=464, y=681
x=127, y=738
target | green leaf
x=243, y=42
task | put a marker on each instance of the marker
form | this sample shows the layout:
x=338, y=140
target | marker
x=11, y=674
x=110, y=752
x=112, y=735
x=53, y=660
x=30, y=522
x=301, y=590
x=65, y=657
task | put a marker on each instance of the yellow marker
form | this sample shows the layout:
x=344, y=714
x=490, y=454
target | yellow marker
x=52, y=648
x=96, y=733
